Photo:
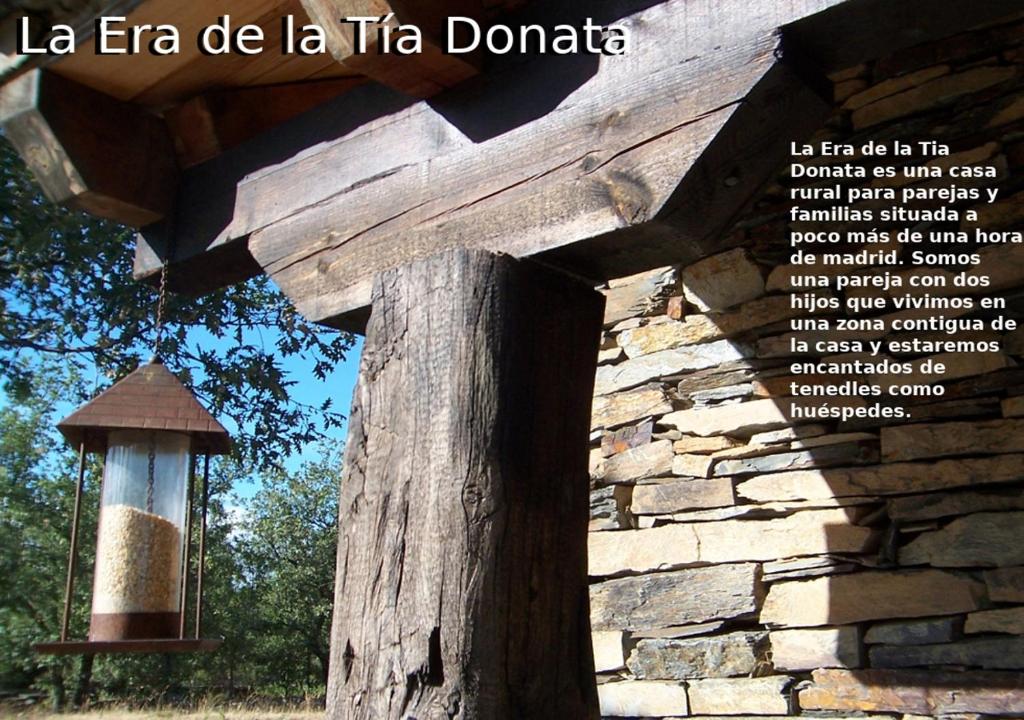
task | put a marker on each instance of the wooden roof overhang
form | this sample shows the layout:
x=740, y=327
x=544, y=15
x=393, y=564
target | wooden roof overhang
x=321, y=171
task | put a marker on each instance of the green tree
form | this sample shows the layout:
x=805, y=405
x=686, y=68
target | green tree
x=268, y=580
x=286, y=542
x=73, y=321
x=36, y=501
x=66, y=291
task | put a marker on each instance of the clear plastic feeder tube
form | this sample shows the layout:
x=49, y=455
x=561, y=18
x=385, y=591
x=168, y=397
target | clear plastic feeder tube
x=137, y=586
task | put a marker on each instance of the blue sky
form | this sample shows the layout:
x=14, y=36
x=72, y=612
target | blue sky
x=309, y=390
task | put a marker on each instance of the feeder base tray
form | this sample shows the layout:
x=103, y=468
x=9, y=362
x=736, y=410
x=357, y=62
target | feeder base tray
x=87, y=647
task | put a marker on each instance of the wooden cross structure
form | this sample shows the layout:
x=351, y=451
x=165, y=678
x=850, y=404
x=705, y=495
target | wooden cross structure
x=459, y=210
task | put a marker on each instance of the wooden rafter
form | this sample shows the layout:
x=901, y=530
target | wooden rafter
x=219, y=120
x=90, y=151
x=421, y=75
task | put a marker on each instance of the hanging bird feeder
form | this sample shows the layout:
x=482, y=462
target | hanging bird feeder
x=153, y=432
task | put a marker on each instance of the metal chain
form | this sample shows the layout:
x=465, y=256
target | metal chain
x=151, y=476
x=161, y=300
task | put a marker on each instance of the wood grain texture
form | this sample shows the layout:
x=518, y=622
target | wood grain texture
x=90, y=151
x=159, y=79
x=602, y=166
x=607, y=159
x=596, y=176
x=420, y=75
x=208, y=124
x=203, y=73
x=537, y=155
x=461, y=585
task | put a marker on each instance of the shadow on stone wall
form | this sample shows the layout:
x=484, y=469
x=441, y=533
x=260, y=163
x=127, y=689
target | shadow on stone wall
x=749, y=560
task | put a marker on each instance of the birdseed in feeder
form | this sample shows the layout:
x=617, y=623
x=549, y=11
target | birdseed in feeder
x=137, y=562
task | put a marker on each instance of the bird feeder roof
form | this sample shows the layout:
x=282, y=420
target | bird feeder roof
x=150, y=398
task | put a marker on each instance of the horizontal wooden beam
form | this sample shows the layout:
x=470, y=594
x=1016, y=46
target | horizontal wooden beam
x=749, y=149
x=90, y=151
x=200, y=235
x=209, y=124
x=196, y=271
x=599, y=150
x=603, y=166
x=422, y=74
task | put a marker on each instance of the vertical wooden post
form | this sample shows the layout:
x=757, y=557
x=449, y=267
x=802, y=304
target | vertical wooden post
x=462, y=576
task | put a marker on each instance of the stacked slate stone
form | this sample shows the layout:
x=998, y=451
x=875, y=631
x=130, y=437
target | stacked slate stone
x=745, y=563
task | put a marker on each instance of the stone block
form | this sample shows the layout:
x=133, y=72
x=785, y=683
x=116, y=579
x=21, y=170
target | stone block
x=935, y=93
x=647, y=461
x=1001, y=620
x=893, y=479
x=754, y=696
x=847, y=599
x=723, y=280
x=609, y=653
x=998, y=653
x=914, y=632
x=672, y=497
x=929, y=693
x=640, y=370
x=674, y=545
x=1005, y=584
x=931, y=440
x=663, y=600
x=611, y=411
x=637, y=699
x=811, y=648
x=715, y=656
x=978, y=540
x=697, y=466
x=931, y=506
x=643, y=294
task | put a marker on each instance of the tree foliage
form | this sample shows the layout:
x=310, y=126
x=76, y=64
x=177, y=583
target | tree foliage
x=36, y=501
x=286, y=546
x=66, y=290
x=72, y=321
x=268, y=580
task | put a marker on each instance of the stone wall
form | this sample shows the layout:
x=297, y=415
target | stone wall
x=746, y=564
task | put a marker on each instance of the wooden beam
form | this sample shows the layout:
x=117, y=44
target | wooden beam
x=749, y=149
x=516, y=125
x=623, y=156
x=209, y=124
x=81, y=16
x=607, y=158
x=198, y=240
x=461, y=588
x=195, y=273
x=420, y=75
x=90, y=151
